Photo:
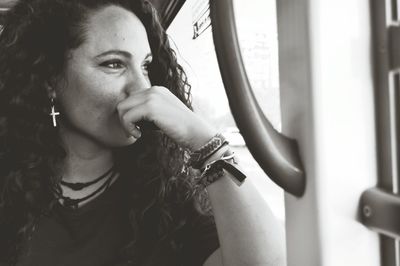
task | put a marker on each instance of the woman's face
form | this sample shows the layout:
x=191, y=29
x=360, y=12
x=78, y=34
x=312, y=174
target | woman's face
x=111, y=62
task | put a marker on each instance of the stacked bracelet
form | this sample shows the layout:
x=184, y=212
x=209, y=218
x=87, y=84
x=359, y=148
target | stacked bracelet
x=215, y=170
x=198, y=157
x=209, y=178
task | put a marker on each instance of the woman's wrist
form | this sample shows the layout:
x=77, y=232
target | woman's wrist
x=200, y=155
x=216, y=168
x=200, y=141
x=201, y=133
x=217, y=155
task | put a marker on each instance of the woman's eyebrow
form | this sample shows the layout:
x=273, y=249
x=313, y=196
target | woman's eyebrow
x=115, y=52
x=122, y=53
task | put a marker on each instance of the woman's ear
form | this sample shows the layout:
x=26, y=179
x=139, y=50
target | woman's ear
x=51, y=92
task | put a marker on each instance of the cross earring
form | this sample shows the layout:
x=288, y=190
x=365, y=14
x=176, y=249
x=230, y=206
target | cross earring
x=53, y=113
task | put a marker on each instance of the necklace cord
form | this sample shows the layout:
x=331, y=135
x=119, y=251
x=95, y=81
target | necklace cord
x=74, y=203
x=81, y=185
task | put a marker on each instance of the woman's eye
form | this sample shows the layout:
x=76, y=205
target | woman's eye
x=146, y=67
x=113, y=64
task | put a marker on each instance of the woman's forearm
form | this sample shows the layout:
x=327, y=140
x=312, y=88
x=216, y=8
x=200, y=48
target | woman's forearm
x=249, y=233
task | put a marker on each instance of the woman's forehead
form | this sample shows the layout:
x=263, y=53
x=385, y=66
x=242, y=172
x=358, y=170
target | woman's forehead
x=114, y=27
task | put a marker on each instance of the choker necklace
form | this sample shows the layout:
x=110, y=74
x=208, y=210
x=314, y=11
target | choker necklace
x=74, y=203
x=80, y=186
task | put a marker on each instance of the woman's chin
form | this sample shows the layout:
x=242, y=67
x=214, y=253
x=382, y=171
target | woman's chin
x=120, y=139
x=125, y=141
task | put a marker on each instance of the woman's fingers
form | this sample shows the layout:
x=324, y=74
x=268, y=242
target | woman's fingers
x=131, y=101
x=157, y=105
x=135, y=131
x=133, y=115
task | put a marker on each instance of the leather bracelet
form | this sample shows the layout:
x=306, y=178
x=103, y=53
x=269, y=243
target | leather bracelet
x=215, y=170
x=210, y=177
x=198, y=157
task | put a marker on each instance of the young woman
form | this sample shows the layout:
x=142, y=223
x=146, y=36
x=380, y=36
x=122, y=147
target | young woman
x=102, y=161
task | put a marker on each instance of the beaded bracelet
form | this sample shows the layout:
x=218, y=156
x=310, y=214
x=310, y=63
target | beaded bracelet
x=198, y=157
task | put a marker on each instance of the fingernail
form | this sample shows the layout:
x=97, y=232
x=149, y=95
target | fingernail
x=137, y=134
x=134, y=130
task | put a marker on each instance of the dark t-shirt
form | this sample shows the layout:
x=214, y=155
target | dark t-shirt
x=94, y=234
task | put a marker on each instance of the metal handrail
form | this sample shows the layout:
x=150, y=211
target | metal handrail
x=380, y=211
x=277, y=155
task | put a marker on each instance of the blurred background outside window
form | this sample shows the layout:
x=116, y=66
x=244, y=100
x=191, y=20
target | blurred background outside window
x=191, y=37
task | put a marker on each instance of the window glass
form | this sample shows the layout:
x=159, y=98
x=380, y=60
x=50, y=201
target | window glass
x=258, y=40
x=191, y=36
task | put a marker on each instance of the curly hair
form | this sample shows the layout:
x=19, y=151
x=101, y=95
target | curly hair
x=31, y=150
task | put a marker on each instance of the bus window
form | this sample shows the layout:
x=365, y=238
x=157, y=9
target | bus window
x=191, y=36
x=258, y=39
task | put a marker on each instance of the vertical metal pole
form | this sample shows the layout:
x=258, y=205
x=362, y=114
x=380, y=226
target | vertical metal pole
x=394, y=10
x=382, y=13
x=394, y=109
x=396, y=141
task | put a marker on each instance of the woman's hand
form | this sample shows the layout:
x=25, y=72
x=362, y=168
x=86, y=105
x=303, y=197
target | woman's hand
x=158, y=105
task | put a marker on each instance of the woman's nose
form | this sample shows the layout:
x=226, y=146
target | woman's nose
x=137, y=82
